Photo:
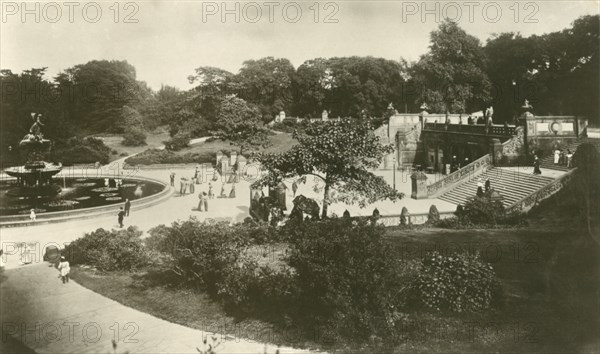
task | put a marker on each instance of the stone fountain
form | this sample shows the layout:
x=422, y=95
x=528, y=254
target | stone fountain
x=34, y=178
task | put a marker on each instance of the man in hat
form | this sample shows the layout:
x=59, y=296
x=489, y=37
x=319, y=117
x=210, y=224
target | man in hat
x=120, y=216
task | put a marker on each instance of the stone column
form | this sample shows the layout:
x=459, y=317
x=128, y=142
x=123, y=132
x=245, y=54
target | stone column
x=224, y=165
x=419, y=185
x=496, y=151
x=241, y=165
x=219, y=156
x=233, y=158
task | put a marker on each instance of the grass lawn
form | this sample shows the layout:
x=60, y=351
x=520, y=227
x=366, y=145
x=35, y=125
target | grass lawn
x=113, y=141
x=152, y=292
x=206, y=152
x=279, y=142
x=548, y=280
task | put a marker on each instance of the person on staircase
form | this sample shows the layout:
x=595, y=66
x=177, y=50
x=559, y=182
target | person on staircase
x=569, y=159
x=536, y=166
x=556, y=156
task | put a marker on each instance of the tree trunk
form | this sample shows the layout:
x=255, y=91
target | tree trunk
x=325, y=201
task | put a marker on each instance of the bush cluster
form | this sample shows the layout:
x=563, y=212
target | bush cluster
x=457, y=282
x=134, y=137
x=179, y=141
x=340, y=273
x=109, y=250
x=156, y=156
x=348, y=278
x=78, y=150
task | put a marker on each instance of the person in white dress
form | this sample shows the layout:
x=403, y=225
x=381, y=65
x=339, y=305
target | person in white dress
x=556, y=156
x=64, y=268
x=32, y=215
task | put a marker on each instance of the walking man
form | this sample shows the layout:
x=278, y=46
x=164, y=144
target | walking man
x=64, y=268
x=172, y=177
x=127, y=207
x=536, y=166
x=120, y=216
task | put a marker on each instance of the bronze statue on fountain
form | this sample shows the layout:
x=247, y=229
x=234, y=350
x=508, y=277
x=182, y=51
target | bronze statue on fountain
x=34, y=178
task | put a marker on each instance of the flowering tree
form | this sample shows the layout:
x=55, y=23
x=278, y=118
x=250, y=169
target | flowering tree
x=339, y=154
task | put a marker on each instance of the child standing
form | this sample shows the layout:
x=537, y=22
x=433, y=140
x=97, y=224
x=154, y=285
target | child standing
x=64, y=269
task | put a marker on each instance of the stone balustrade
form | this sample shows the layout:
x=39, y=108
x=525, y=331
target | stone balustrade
x=471, y=170
x=532, y=200
x=477, y=129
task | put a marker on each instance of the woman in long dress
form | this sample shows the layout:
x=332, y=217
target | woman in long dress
x=556, y=156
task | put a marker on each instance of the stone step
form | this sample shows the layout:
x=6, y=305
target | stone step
x=513, y=186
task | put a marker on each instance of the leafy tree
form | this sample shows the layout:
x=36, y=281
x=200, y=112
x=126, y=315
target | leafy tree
x=587, y=185
x=451, y=77
x=97, y=91
x=556, y=71
x=240, y=124
x=134, y=137
x=213, y=84
x=267, y=83
x=348, y=86
x=339, y=154
x=23, y=94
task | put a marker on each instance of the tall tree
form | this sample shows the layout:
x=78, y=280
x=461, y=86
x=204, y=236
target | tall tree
x=339, y=154
x=267, y=83
x=240, y=124
x=97, y=91
x=451, y=77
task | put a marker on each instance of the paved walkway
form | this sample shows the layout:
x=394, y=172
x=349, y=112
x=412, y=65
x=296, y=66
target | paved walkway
x=32, y=295
x=49, y=317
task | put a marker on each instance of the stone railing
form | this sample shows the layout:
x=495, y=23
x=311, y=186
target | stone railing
x=533, y=199
x=411, y=219
x=471, y=170
x=480, y=129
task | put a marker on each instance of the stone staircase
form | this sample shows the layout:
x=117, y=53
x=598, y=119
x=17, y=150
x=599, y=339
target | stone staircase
x=548, y=161
x=512, y=185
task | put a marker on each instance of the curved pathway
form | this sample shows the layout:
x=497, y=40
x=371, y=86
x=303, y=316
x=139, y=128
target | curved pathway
x=51, y=317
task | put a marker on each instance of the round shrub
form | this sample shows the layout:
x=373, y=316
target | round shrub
x=108, y=250
x=81, y=150
x=178, y=141
x=483, y=210
x=134, y=137
x=457, y=283
x=434, y=214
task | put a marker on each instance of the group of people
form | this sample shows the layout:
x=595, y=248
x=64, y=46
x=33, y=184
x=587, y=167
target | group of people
x=481, y=185
x=203, y=196
x=563, y=158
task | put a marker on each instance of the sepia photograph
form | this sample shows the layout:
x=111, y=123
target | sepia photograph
x=311, y=176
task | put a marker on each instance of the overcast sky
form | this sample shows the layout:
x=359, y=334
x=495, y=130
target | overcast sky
x=172, y=38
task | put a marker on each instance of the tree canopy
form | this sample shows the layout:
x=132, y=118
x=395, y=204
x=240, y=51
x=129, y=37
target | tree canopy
x=240, y=124
x=339, y=154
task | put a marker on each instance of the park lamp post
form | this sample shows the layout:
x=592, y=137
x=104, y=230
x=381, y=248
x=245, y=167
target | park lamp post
x=394, y=172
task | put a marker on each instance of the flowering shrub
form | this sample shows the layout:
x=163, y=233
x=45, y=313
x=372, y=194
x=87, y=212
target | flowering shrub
x=108, y=250
x=458, y=283
x=347, y=276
